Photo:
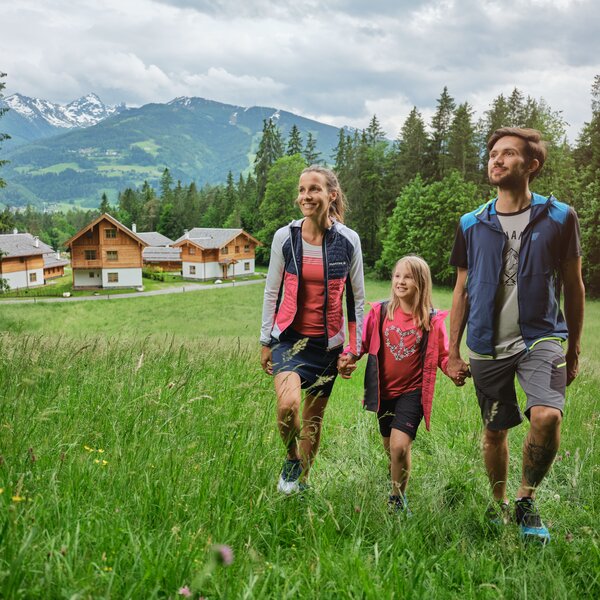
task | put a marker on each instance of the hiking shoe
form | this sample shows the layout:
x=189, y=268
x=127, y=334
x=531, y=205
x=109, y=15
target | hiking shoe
x=497, y=515
x=530, y=522
x=399, y=504
x=290, y=474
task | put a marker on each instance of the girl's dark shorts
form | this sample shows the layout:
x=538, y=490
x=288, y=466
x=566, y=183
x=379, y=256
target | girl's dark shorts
x=309, y=357
x=404, y=413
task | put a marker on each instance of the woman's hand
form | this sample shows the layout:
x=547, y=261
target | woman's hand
x=346, y=364
x=265, y=360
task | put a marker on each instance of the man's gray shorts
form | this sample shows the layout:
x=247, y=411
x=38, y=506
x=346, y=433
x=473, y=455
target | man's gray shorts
x=542, y=373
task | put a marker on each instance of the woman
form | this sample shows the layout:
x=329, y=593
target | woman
x=312, y=261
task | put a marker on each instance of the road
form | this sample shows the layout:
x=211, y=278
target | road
x=188, y=287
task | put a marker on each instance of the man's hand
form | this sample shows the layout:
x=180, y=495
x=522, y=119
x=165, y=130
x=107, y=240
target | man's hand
x=265, y=360
x=572, y=357
x=458, y=370
x=346, y=365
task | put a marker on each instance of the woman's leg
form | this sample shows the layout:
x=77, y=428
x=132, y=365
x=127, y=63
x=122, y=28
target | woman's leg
x=289, y=396
x=386, y=447
x=400, y=444
x=312, y=421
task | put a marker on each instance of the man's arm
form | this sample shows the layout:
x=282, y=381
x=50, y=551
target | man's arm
x=574, y=292
x=457, y=367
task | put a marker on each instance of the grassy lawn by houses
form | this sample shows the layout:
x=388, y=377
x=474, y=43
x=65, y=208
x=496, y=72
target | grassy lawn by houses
x=137, y=435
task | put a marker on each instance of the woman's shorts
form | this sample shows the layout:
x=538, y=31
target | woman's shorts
x=309, y=357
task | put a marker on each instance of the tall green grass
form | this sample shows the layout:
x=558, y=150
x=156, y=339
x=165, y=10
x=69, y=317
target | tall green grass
x=128, y=452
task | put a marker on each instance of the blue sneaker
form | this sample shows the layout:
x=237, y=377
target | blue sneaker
x=399, y=504
x=290, y=475
x=530, y=522
x=497, y=514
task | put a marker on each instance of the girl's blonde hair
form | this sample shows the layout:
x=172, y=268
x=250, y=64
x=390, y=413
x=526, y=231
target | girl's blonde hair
x=422, y=303
x=337, y=208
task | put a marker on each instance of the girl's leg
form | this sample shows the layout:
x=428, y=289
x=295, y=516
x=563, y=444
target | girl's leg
x=312, y=421
x=289, y=396
x=400, y=444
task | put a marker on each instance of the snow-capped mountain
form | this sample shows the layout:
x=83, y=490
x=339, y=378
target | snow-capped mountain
x=83, y=112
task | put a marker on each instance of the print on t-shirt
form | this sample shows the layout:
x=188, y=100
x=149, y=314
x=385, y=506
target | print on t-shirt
x=511, y=265
x=407, y=341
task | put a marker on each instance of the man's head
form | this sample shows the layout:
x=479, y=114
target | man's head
x=516, y=155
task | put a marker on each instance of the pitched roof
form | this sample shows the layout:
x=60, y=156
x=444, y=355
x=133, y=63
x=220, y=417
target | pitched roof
x=22, y=244
x=161, y=254
x=112, y=220
x=153, y=238
x=211, y=238
x=51, y=260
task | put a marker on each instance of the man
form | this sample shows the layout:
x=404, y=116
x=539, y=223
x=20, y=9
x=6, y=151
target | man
x=511, y=256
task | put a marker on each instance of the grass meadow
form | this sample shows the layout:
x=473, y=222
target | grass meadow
x=137, y=435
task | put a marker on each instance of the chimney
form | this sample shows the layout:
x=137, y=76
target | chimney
x=186, y=234
x=36, y=241
x=134, y=228
x=58, y=255
x=15, y=231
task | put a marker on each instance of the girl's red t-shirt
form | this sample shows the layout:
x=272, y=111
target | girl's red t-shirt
x=400, y=365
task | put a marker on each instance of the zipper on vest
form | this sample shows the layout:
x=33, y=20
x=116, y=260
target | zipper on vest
x=326, y=276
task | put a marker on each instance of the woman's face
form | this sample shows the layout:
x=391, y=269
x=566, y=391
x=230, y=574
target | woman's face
x=313, y=197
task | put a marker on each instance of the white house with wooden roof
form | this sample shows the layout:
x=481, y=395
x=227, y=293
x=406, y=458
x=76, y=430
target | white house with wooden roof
x=160, y=252
x=26, y=261
x=106, y=254
x=210, y=253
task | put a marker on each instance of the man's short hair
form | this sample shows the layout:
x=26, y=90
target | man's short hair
x=535, y=147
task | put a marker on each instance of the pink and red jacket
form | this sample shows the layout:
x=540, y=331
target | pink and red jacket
x=343, y=270
x=436, y=355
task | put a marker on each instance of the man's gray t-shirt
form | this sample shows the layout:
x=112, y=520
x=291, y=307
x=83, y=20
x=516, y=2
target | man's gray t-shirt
x=508, y=339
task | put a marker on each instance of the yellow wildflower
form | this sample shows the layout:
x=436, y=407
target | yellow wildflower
x=18, y=499
x=89, y=449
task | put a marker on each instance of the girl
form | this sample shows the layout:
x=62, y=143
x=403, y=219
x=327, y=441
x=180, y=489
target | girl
x=406, y=341
x=312, y=261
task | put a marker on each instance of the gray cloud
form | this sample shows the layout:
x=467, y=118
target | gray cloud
x=340, y=61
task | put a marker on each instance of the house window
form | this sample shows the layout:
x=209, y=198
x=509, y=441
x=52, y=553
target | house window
x=246, y=266
x=112, y=255
x=192, y=250
x=247, y=248
x=110, y=234
x=90, y=255
x=237, y=249
x=32, y=277
x=91, y=274
x=113, y=278
x=225, y=250
x=192, y=270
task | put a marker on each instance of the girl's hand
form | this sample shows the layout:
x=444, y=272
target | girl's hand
x=265, y=360
x=346, y=365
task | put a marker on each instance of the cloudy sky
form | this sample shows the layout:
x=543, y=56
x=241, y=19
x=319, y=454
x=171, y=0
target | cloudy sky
x=338, y=61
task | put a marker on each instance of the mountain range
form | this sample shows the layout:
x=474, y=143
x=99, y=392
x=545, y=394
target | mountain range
x=71, y=154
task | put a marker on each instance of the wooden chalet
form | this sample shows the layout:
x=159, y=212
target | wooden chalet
x=26, y=261
x=160, y=254
x=106, y=254
x=208, y=253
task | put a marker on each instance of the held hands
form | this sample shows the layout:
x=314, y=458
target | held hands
x=265, y=360
x=346, y=365
x=458, y=370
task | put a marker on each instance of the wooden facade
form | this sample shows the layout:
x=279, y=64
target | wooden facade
x=106, y=248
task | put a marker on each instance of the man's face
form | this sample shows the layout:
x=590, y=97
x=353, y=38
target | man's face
x=509, y=166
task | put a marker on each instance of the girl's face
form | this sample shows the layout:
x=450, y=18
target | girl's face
x=403, y=283
x=313, y=197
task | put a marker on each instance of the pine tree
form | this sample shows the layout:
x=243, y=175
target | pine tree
x=341, y=153
x=311, y=154
x=3, y=136
x=270, y=149
x=294, y=145
x=105, y=204
x=463, y=153
x=440, y=135
x=166, y=183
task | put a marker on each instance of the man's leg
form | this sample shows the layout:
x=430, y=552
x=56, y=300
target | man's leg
x=495, y=456
x=540, y=447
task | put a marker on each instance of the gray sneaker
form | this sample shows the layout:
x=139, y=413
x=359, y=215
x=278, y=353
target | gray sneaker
x=290, y=475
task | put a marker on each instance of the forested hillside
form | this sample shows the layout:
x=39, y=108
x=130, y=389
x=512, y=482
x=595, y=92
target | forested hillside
x=404, y=196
